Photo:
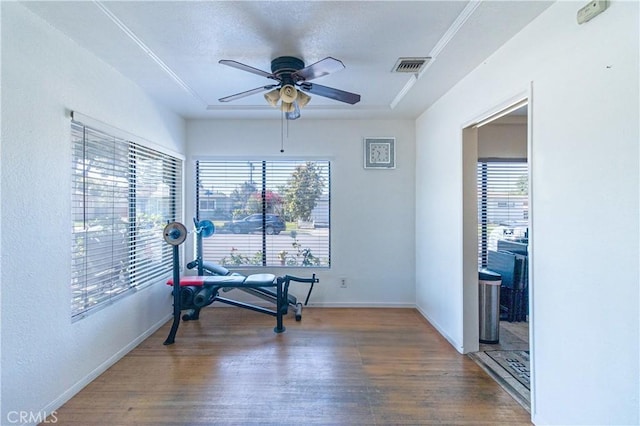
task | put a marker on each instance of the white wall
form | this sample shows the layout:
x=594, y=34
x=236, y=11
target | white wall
x=585, y=213
x=372, y=211
x=505, y=138
x=584, y=158
x=46, y=358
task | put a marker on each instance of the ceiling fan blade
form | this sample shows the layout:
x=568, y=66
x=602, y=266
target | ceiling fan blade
x=323, y=67
x=247, y=93
x=330, y=92
x=243, y=67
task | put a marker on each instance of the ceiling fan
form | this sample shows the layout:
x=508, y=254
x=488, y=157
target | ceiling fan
x=292, y=81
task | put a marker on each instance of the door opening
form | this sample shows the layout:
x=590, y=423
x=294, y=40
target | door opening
x=496, y=232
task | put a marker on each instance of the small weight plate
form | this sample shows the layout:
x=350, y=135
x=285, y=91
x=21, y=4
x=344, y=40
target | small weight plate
x=207, y=228
x=175, y=233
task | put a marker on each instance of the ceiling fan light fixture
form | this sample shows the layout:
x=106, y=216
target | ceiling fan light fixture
x=287, y=106
x=272, y=97
x=303, y=99
x=295, y=114
x=288, y=93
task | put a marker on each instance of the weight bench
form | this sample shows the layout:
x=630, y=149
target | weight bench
x=196, y=292
x=265, y=293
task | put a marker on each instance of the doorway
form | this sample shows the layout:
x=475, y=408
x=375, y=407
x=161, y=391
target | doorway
x=496, y=234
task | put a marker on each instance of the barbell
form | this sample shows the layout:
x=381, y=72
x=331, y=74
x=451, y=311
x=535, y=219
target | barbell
x=175, y=233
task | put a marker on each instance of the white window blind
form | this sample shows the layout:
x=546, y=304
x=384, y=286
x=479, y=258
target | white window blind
x=503, y=204
x=267, y=213
x=122, y=196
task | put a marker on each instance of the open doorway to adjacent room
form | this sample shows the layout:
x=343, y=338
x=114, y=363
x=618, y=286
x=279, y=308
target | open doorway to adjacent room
x=496, y=241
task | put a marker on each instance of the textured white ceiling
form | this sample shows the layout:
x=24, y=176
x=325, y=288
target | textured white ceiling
x=172, y=49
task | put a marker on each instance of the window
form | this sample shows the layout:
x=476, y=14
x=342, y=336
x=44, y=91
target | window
x=207, y=205
x=123, y=194
x=503, y=204
x=267, y=213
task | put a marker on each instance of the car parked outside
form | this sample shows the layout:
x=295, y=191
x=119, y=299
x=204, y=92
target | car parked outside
x=253, y=223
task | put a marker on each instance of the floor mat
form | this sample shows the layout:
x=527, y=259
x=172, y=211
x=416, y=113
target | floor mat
x=515, y=362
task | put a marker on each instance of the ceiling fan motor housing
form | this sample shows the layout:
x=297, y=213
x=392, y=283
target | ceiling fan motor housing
x=283, y=66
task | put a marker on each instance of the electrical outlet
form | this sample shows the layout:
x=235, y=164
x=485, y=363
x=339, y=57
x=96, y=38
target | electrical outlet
x=343, y=283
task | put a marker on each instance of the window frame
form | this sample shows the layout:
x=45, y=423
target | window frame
x=263, y=182
x=146, y=259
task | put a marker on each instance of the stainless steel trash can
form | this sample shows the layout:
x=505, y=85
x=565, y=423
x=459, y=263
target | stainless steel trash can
x=489, y=305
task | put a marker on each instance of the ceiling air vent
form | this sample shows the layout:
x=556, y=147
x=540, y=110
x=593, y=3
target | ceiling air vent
x=410, y=65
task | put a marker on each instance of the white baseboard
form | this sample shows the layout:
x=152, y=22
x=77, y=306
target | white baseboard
x=435, y=325
x=265, y=304
x=360, y=305
x=78, y=386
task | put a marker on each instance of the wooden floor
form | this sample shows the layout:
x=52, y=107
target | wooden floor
x=335, y=367
x=514, y=336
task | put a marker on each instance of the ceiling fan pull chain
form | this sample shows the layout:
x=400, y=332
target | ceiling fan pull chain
x=282, y=120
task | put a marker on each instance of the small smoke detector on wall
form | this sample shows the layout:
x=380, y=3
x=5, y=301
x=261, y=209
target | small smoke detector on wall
x=591, y=10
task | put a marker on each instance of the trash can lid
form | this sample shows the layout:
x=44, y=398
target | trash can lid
x=488, y=275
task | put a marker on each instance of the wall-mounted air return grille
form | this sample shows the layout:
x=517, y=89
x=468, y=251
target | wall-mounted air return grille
x=410, y=65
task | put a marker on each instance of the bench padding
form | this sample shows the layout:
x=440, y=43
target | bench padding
x=255, y=280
